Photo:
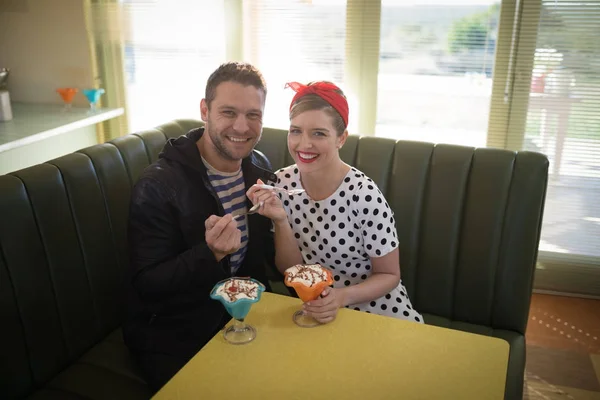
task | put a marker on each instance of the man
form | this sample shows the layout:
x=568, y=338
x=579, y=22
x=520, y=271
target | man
x=182, y=236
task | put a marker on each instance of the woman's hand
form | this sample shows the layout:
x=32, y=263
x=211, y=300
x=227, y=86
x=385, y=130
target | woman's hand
x=271, y=204
x=325, y=308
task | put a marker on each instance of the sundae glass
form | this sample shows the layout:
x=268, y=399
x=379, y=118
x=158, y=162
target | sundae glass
x=238, y=295
x=67, y=94
x=309, y=281
x=93, y=96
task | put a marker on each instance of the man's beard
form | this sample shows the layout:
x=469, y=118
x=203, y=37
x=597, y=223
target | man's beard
x=219, y=143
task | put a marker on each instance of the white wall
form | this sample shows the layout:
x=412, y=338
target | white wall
x=45, y=44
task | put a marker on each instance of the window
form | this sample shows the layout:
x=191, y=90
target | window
x=294, y=40
x=563, y=121
x=435, y=70
x=171, y=48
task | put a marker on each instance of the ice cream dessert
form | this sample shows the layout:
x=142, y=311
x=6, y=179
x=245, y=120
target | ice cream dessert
x=308, y=275
x=237, y=295
x=235, y=289
x=309, y=280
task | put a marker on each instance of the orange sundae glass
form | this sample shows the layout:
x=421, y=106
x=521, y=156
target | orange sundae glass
x=309, y=281
x=67, y=94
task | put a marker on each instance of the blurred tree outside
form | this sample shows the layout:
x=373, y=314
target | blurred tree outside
x=474, y=32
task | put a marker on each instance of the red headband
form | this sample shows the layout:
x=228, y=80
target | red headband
x=326, y=91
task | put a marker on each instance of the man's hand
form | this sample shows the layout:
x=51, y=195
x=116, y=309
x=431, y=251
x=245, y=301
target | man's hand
x=222, y=235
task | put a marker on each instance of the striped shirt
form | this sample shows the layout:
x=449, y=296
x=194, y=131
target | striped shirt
x=232, y=192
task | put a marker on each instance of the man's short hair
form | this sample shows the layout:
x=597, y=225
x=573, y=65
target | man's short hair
x=242, y=73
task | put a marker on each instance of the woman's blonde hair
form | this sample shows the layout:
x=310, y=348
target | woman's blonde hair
x=312, y=102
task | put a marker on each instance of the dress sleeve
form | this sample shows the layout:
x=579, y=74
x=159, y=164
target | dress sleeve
x=375, y=219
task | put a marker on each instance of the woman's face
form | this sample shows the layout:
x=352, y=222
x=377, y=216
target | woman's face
x=313, y=141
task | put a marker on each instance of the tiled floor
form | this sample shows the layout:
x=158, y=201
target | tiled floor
x=563, y=349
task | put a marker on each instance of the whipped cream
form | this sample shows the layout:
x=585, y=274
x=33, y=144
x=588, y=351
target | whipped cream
x=236, y=289
x=308, y=275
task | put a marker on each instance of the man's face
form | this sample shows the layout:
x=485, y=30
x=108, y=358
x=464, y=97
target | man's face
x=234, y=120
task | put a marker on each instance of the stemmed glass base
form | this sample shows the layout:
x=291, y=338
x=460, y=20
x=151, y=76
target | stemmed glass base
x=239, y=333
x=304, y=320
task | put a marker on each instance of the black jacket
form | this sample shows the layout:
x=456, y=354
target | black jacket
x=172, y=270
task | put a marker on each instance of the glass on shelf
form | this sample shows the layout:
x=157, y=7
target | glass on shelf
x=93, y=95
x=67, y=94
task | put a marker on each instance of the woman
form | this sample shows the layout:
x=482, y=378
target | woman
x=341, y=221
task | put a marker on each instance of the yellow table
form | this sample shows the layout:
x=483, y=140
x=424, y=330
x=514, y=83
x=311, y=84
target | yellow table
x=358, y=356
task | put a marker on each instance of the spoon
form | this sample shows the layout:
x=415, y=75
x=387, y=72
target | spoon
x=251, y=211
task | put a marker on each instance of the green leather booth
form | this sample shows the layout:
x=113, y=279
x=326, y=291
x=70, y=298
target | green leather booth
x=468, y=222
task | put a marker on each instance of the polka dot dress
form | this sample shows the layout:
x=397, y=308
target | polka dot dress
x=343, y=232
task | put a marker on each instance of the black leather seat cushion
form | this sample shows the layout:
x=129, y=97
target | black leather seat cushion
x=104, y=372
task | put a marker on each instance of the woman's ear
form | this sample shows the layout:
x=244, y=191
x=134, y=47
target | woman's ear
x=342, y=139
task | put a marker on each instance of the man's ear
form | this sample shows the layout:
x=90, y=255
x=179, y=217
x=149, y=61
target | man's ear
x=203, y=110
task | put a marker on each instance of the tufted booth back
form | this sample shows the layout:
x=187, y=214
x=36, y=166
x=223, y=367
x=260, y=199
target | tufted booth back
x=63, y=254
x=468, y=221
